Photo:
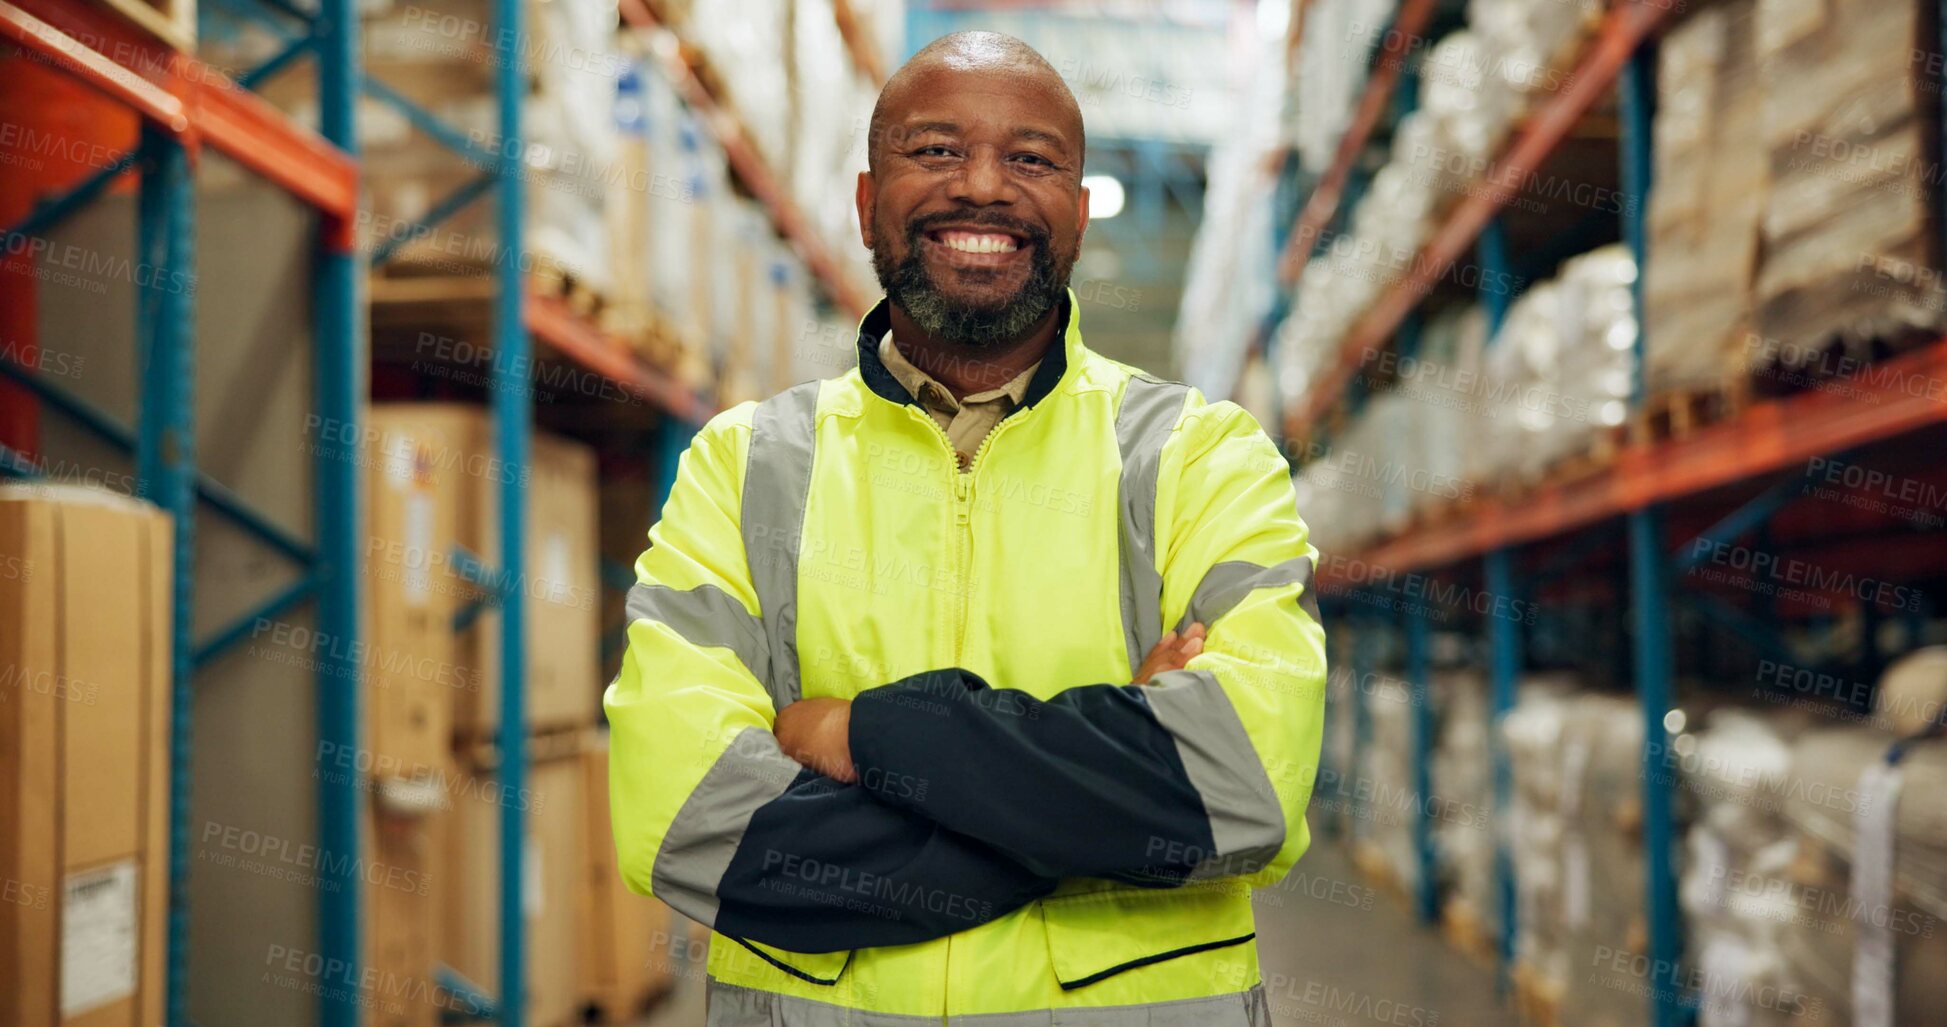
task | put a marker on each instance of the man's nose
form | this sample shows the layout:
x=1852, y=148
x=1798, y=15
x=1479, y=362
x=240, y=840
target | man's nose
x=982, y=180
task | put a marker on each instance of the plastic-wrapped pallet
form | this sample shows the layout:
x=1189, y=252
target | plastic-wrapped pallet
x=1533, y=42
x=1850, y=245
x=1576, y=847
x=1464, y=780
x=572, y=143
x=1736, y=896
x=1227, y=282
x=1441, y=381
x=1602, y=858
x=1383, y=829
x=1827, y=798
x=1469, y=111
x=1706, y=209
x=1912, y=693
x=1560, y=367
x=1331, y=72
x=1533, y=732
x=745, y=44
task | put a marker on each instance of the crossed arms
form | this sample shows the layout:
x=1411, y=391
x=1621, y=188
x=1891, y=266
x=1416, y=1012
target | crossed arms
x=945, y=814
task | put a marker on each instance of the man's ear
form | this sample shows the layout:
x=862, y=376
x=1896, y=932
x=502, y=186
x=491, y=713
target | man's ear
x=864, y=199
x=1081, y=220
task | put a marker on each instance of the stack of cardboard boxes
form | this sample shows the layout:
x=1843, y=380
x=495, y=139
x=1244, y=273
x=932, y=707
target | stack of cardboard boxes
x=84, y=757
x=435, y=717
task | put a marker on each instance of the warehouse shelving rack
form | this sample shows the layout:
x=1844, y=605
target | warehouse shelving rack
x=1766, y=438
x=185, y=104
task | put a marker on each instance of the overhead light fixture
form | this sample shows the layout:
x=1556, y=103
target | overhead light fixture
x=1104, y=196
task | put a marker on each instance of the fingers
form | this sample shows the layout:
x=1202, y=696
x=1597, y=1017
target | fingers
x=1173, y=652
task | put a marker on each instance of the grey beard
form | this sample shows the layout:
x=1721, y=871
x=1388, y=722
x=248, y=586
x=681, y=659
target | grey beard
x=909, y=286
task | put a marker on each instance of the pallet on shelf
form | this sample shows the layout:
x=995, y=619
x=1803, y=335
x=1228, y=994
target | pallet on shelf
x=1679, y=413
x=552, y=279
x=172, y=21
x=1371, y=862
x=1537, y=999
x=1466, y=931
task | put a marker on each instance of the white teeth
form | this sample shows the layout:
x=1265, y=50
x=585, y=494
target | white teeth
x=966, y=243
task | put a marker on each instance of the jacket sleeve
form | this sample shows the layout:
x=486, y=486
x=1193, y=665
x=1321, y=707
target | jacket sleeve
x=1203, y=772
x=709, y=814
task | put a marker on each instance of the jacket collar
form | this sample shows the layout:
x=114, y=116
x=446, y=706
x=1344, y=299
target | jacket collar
x=1054, y=364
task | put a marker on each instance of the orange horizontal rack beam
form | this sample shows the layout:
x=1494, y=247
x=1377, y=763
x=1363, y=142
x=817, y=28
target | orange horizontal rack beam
x=573, y=336
x=1625, y=28
x=1323, y=205
x=858, y=40
x=744, y=159
x=1883, y=400
x=188, y=98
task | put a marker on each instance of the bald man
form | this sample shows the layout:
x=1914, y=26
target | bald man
x=900, y=719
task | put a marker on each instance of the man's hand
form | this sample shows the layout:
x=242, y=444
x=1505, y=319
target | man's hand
x=1172, y=653
x=817, y=733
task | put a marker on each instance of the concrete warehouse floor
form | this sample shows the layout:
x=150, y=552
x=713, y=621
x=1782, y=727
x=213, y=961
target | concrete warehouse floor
x=1334, y=953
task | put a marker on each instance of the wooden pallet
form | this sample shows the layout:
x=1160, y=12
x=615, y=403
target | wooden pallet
x=1537, y=1000
x=1466, y=931
x=1679, y=413
x=1378, y=872
x=557, y=282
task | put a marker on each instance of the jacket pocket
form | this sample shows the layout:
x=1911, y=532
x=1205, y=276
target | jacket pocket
x=1095, y=935
x=822, y=968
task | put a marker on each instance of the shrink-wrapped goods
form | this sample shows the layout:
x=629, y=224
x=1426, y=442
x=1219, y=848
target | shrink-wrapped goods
x=1851, y=249
x=1844, y=930
x=1705, y=212
x=1735, y=892
x=1463, y=779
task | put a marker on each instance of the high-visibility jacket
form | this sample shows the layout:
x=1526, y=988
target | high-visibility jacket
x=1030, y=833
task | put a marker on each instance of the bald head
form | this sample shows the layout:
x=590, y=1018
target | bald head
x=1002, y=59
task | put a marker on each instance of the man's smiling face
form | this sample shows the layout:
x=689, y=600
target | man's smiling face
x=974, y=210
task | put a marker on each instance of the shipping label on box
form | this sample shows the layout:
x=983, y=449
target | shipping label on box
x=99, y=937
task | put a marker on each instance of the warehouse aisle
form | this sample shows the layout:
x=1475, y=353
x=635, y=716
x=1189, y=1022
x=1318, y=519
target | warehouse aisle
x=1335, y=953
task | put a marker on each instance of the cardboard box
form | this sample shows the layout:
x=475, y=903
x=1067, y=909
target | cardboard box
x=446, y=447
x=628, y=507
x=85, y=584
x=401, y=917
x=554, y=807
x=415, y=675
x=627, y=956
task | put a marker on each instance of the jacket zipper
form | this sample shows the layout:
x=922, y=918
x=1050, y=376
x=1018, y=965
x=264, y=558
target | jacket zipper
x=961, y=533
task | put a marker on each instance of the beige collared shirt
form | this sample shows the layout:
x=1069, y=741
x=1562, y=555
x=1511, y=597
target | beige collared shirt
x=967, y=421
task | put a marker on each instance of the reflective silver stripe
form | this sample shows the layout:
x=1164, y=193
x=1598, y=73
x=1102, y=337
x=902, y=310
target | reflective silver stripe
x=705, y=616
x=1246, y=821
x=704, y=835
x=733, y=1006
x=777, y=483
x=1226, y=584
x=1143, y=424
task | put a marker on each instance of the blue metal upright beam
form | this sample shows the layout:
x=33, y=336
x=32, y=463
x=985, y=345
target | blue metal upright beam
x=1418, y=676
x=165, y=467
x=512, y=416
x=1650, y=592
x=1504, y=673
x=1505, y=657
x=338, y=391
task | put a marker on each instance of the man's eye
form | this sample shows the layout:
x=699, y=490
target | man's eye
x=933, y=151
x=1034, y=158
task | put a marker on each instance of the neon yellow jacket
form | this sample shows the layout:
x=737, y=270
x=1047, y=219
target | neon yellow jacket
x=1030, y=833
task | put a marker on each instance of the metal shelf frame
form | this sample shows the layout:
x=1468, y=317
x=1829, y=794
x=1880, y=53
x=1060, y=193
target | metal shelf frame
x=1767, y=438
x=185, y=105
